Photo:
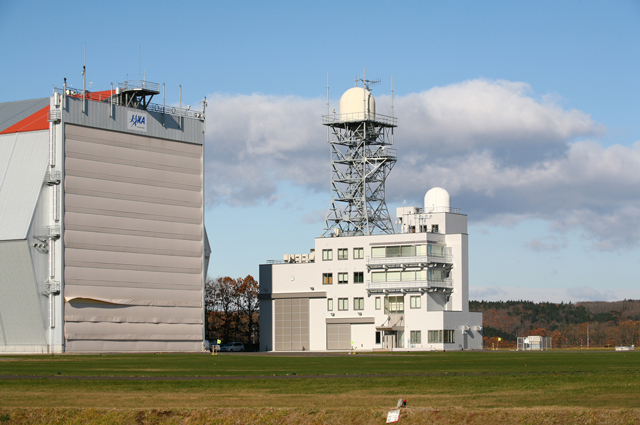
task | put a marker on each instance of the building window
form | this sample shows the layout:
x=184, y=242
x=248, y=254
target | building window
x=343, y=254
x=343, y=304
x=358, y=277
x=415, y=301
x=327, y=254
x=378, y=276
x=358, y=303
x=329, y=304
x=378, y=303
x=435, y=229
x=327, y=278
x=416, y=337
x=358, y=253
x=378, y=337
x=343, y=278
x=435, y=337
x=394, y=304
x=378, y=252
x=449, y=337
x=446, y=336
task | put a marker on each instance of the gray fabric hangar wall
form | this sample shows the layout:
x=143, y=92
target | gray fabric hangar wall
x=133, y=238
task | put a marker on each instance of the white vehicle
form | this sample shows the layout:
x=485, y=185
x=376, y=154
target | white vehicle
x=232, y=346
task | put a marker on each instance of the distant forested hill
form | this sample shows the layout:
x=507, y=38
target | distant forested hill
x=607, y=323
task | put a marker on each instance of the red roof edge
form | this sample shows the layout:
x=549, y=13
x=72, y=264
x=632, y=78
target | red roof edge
x=38, y=120
x=34, y=122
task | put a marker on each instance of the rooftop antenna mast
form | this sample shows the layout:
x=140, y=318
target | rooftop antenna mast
x=360, y=163
x=84, y=78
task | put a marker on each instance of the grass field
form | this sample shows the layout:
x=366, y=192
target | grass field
x=460, y=387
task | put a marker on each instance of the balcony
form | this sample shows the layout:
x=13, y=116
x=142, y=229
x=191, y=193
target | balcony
x=420, y=262
x=446, y=285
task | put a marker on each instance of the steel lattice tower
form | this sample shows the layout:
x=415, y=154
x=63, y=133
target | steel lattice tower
x=361, y=160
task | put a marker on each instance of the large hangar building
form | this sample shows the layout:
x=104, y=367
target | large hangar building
x=102, y=239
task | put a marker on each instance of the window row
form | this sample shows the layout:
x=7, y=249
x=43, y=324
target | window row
x=408, y=251
x=444, y=336
x=343, y=304
x=408, y=276
x=395, y=304
x=343, y=254
x=343, y=278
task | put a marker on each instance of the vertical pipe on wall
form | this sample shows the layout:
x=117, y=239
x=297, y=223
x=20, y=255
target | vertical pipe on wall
x=56, y=217
x=52, y=258
x=111, y=100
x=181, y=106
x=52, y=158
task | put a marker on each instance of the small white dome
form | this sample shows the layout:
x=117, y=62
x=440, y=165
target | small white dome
x=437, y=199
x=353, y=101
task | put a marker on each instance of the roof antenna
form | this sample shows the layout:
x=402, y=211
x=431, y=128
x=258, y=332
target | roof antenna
x=84, y=78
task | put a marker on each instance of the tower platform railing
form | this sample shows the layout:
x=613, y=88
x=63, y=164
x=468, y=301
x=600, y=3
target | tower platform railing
x=359, y=116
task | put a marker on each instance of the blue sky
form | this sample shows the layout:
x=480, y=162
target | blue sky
x=526, y=112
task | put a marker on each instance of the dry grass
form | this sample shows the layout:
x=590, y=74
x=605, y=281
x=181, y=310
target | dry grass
x=338, y=415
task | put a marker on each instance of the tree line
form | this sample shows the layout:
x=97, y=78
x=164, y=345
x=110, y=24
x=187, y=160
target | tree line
x=231, y=310
x=602, y=324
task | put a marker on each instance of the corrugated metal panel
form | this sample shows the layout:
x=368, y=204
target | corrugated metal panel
x=22, y=319
x=23, y=164
x=13, y=112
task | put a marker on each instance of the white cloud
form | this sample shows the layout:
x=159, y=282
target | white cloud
x=503, y=154
x=549, y=243
x=585, y=293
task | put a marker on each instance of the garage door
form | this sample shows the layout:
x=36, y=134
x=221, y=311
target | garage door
x=338, y=336
x=292, y=324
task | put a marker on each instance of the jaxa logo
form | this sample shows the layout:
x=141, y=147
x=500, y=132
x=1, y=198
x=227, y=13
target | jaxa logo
x=136, y=121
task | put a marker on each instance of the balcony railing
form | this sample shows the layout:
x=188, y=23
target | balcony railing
x=404, y=262
x=411, y=285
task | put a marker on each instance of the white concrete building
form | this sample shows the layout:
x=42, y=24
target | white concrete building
x=355, y=289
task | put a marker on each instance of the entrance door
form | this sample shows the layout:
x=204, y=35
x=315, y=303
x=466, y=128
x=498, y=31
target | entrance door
x=390, y=340
x=465, y=340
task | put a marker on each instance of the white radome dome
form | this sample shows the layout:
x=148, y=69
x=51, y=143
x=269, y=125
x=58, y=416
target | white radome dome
x=437, y=199
x=353, y=101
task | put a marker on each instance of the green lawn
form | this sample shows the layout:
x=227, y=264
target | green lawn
x=480, y=382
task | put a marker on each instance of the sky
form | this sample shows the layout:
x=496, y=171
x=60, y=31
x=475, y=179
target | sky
x=526, y=112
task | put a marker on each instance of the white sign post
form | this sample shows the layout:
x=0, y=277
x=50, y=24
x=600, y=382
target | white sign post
x=393, y=416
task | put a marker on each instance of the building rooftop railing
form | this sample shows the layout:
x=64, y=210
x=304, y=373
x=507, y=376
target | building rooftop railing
x=105, y=96
x=139, y=85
